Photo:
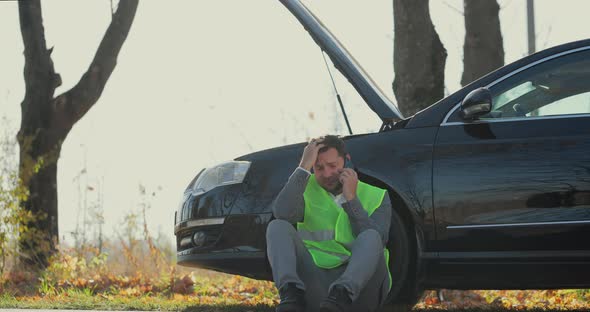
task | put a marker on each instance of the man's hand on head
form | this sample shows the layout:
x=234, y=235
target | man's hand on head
x=310, y=154
x=349, y=180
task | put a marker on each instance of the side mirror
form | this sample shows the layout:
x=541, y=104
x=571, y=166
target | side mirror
x=477, y=103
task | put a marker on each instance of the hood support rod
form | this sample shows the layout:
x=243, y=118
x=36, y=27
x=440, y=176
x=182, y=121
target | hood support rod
x=337, y=94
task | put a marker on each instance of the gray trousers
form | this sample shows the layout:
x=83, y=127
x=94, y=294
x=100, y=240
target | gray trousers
x=364, y=276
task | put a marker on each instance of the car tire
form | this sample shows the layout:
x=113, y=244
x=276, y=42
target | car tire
x=402, y=265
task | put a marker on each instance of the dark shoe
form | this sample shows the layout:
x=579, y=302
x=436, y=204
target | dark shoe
x=292, y=299
x=338, y=300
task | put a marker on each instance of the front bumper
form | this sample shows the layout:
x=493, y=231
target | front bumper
x=236, y=245
x=252, y=264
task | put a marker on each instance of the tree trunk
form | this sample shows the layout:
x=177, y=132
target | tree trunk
x=483, y=50
x=46, y=121
x=418, y=57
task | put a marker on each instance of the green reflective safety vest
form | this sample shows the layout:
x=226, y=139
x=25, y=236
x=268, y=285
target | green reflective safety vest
x=326, y=229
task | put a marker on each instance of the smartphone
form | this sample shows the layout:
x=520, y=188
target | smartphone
x=348, y=163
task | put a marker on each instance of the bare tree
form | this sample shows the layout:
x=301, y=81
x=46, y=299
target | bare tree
x=418, y=57
x=483, y=50
x=47, y=119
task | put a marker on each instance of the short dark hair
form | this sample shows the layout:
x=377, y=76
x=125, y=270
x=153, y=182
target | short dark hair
x=333, y=141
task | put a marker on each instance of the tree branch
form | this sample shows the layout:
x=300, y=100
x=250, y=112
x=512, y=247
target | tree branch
x=70, y=106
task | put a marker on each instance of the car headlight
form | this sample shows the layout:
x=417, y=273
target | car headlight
x=227, y=173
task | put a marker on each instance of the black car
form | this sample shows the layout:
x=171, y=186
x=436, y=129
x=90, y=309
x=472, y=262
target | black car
x=490, y=186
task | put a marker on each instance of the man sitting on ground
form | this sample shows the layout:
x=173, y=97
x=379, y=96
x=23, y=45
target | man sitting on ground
x=335, y=259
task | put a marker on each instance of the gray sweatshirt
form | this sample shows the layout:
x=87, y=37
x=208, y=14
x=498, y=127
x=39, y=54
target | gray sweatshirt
x=290, y=205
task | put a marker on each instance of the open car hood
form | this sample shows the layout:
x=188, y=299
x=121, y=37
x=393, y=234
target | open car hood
x=344, y=62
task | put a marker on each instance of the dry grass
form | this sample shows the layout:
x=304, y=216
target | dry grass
x=78, y=282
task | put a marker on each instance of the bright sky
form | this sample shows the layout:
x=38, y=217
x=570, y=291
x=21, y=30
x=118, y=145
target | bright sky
x=201, y=82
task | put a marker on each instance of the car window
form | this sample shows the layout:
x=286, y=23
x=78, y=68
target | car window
x=503, y=98
x=552, y=88
x=577, y=104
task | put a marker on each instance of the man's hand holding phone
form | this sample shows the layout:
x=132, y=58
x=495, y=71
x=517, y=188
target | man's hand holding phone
x=349, y=180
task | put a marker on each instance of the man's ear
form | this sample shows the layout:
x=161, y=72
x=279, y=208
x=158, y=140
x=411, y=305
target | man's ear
x=348, y=157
